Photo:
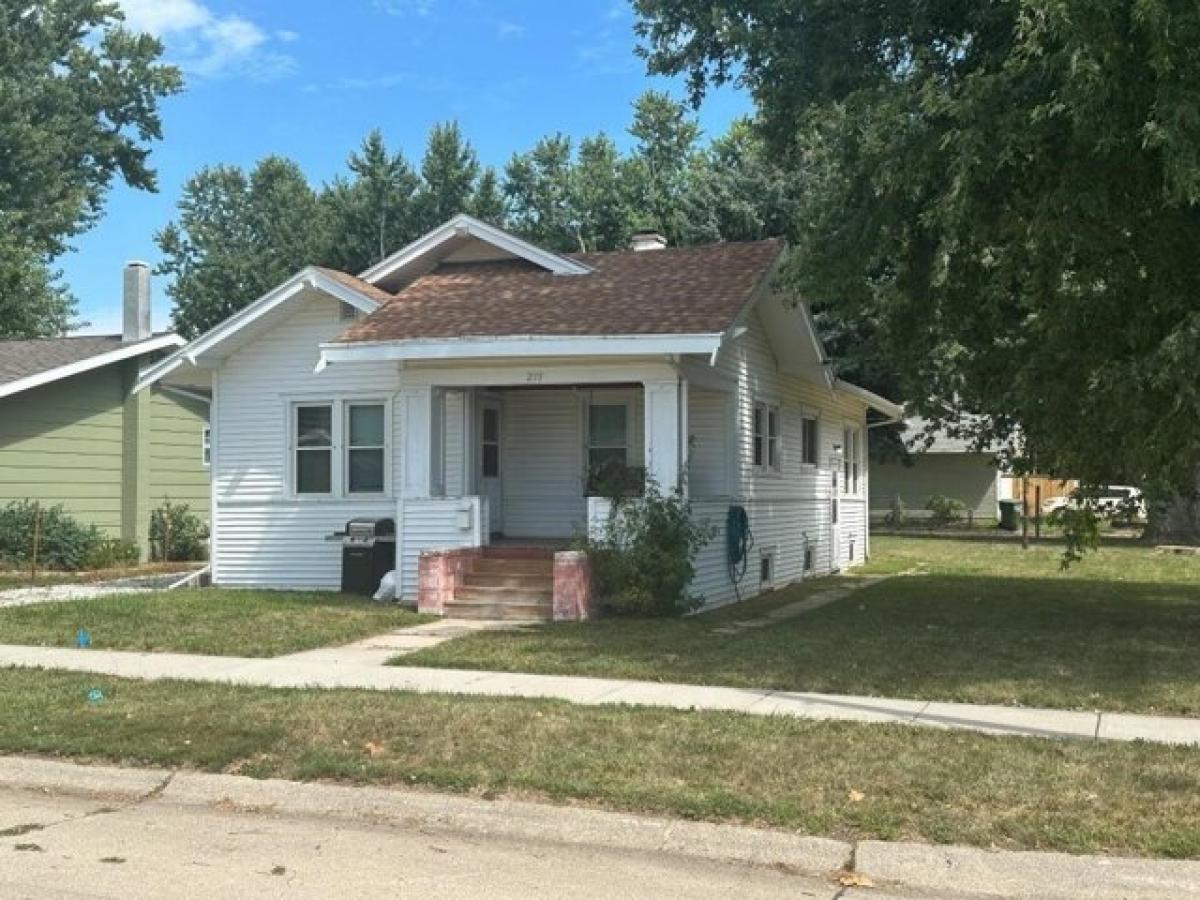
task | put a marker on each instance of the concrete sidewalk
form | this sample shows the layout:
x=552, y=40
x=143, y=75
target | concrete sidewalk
x=123, y=832
x=363, y=671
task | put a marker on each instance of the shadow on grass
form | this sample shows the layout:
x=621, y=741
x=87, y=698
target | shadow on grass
x=1066, y=643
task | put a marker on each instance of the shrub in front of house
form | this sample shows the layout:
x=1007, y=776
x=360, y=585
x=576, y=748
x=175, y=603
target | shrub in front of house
x=113, y=553
x=645, y=559
x=945, y=510
x=177, y=534
x=59, y=541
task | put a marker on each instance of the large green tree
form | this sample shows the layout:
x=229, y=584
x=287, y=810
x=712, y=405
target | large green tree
x=449, y=171
x=1002, y=197
x=374, y=212
x=666, y=138
x=79, y=102
x=237, y=237
x=538, y=187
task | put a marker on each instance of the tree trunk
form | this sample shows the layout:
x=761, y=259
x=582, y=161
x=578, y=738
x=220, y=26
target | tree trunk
x=1176, y=522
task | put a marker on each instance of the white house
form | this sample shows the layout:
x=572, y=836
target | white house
x=463, y=386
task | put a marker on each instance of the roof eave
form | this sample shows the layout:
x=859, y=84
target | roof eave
x=125, y=351
x=199, y=350
x=519, y=346
x=893, y=411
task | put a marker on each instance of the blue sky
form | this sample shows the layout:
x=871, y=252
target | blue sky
x=309, y=78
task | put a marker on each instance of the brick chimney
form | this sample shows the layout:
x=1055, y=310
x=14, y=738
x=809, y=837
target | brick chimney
x=136, y=302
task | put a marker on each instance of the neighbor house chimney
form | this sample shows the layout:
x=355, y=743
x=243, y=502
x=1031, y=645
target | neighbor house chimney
x=137, y=302
x=647, y=240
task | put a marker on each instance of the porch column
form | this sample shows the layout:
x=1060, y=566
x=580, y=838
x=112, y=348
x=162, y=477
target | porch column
x=420, y=438
x=664, y=430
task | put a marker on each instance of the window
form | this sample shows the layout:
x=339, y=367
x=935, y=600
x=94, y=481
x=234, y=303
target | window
x=339, y=448
x=766, y=569
x=314, y=449
x=766, y=436
x=365, y=457
x=348, y=313
x=206, y=446
x=851, y=451
x=809, y=429
x=608, y=435
x=834, y=510
x=491, y=442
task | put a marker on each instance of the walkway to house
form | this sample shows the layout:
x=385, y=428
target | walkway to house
x=359, y=666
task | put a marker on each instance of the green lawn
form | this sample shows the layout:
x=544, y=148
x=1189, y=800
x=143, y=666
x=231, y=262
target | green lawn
x=208, y=620
x=20, y=578
x=916, y=784
x=976, y=621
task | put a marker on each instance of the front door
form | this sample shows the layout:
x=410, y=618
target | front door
x=490, y=428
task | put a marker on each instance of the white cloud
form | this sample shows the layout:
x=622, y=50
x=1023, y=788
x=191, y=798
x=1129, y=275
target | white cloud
x=209, y=45
x=287, y=36
x=509, y=30
x=405, y=7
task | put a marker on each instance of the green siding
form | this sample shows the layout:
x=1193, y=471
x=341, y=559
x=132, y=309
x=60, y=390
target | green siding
x=969, y=477
x=66, y=443
x=176, y=468
x=61, y=443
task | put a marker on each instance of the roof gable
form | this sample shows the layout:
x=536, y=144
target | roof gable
x=464, y=239
x=221, y=340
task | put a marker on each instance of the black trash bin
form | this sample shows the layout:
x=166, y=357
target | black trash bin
x=368, y=553
x=1010, y=514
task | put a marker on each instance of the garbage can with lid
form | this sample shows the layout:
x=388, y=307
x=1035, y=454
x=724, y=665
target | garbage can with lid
x=1010, y=514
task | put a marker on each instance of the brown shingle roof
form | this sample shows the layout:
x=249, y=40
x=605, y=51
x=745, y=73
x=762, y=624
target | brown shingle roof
x=685, y=290
x=363, y=287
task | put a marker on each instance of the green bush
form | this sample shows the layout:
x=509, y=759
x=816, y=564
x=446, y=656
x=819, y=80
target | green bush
x=616, y=480
x=113, y=553
x=63, y=542
x=177, y=534
x=945, y=510
x=645, y=559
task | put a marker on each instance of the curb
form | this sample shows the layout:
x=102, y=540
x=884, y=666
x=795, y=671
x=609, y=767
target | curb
x=508, y=820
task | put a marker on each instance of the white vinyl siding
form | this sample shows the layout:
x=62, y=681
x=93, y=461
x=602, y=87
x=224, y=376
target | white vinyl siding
x=709, y=441
x=792, y=505
x=454, y=450
x=266, y=535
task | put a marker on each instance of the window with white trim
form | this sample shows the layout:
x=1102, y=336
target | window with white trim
x=206, y=446
x=766, y=437
x=851, y=456
x=810, y=429
x=313, y=448
x=339, y=448
x=365, y=446
x=348, y=312
x=608, y=434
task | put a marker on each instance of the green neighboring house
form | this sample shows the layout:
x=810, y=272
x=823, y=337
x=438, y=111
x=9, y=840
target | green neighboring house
x=73, y=433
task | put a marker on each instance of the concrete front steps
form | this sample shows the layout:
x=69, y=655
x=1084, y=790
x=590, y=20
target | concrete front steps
x=508, y=584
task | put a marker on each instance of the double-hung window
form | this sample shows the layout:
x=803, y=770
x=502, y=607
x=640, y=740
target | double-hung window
x=809, y=441
x=206, y=446
x=365, y=457
x=339, y=448
x=766, y=436
x=313, y=425
x=608, y=435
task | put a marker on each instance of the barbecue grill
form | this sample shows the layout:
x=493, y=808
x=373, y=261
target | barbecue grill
x=368, y=553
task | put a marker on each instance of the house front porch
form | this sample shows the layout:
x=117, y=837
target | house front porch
x=498, y=462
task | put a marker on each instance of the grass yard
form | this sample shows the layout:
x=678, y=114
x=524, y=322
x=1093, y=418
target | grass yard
x=208, y=621
x=976, y=621
x=916, y=784
x=20, y=578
